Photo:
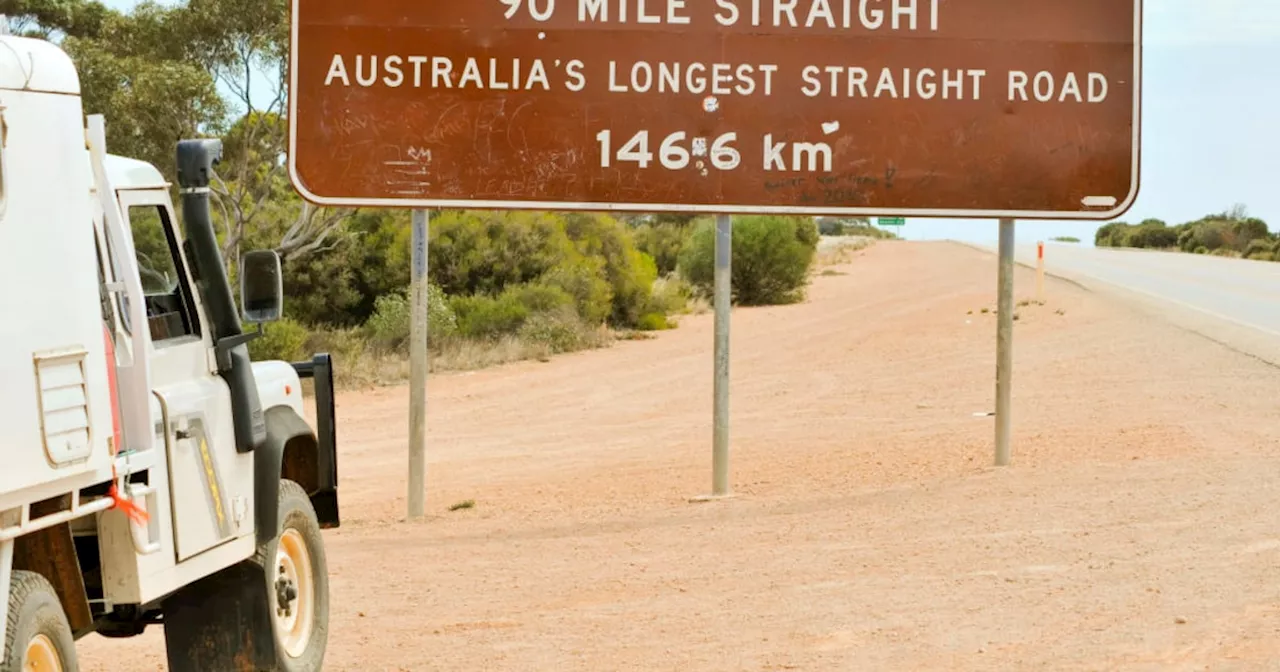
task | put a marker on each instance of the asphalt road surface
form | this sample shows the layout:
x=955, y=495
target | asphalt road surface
x=1235, y=302
x=1243, y=292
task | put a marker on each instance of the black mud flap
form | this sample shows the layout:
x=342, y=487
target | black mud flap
x=325, y=498
x=222, y=622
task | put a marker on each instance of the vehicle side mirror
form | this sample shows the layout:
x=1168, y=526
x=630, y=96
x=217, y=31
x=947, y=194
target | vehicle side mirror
x=261, y=286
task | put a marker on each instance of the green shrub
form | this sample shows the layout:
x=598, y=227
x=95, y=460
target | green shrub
x=1221, y=231
x=1209, y=235
x=828, y=226
x=1151, y=234
x=663, y=242
x=584, y=279
x=559, y=330
x=671, y=294
x=852, y=226
x=284, y=339
x=391, y=320
x=476, y=252
x=806, y=231
x=653, y=322
x=1249, y=230
x=339, y=286
x=485, y=316
x=1109, y=235
x=346, y=346
x=592, y=257
x=771, y=258
x=629, y=271
x=390, y=325
x=1259, y=247
x=540, y=298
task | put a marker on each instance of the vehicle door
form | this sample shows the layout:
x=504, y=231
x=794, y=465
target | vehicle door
x=210, y=482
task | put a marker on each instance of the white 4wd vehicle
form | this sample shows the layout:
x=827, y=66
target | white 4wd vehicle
x=152, y=473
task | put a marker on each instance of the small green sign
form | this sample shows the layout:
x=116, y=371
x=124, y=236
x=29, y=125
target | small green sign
x=892, y=221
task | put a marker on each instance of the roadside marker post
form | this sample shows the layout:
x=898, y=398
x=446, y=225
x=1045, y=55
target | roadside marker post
x=1040, y=271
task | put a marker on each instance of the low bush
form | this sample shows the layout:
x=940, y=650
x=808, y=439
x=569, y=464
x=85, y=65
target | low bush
x=592, y=257
x=488, y=317
x=654, y=322
x=1262, y=249
x=583, y=278
x=479, y=252
x=284, y=339
x=671, y=294
x=663, y=242
x=392, y=320
x=771, y=258
x=559, y=330
x=484, y=316
x=629, y=271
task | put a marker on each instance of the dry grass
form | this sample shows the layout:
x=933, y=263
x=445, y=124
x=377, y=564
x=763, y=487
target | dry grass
x=841, y=251
x=698, y=305
x=362, y=368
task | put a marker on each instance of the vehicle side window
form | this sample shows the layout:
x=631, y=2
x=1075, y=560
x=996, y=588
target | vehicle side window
x=122, y=301
x=103, y=297
x=170, y=309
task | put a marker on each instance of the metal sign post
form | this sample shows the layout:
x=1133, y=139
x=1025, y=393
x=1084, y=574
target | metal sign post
x=723, y=303
x=419, y=364
x=1004, y=345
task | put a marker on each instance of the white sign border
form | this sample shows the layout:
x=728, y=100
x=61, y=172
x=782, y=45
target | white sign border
x=465, y=204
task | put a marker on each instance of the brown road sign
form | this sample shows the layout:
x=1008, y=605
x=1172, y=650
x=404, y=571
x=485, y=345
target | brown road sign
x=915, y=108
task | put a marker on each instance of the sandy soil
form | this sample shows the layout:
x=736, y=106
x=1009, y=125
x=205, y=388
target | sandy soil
x=1136, y=529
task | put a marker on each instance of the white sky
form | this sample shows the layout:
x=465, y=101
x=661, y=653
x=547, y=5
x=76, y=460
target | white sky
x=1211, y=101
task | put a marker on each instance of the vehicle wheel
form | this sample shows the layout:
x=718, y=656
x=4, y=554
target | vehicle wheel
x=38, y=637
x=297, y=583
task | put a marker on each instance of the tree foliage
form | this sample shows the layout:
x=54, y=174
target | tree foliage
x=54, y=19
x=162, y=73
x=1231, y=232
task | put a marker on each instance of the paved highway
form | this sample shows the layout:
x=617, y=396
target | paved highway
x=1243, y=292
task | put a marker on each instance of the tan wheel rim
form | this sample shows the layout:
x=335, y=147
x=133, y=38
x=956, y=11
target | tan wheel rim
x=294, y=593
x=41, y=656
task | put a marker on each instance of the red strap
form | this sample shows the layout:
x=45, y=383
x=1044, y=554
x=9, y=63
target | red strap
x=133, y=511
x=130, y=509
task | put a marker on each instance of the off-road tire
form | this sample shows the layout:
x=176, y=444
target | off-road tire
x=298, y=515
x=34, y=611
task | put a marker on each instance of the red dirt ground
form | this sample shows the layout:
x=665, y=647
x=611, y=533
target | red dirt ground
x=1136, y=529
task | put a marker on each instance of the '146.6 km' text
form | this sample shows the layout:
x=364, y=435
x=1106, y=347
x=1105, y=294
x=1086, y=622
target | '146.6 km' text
x=677, y=152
